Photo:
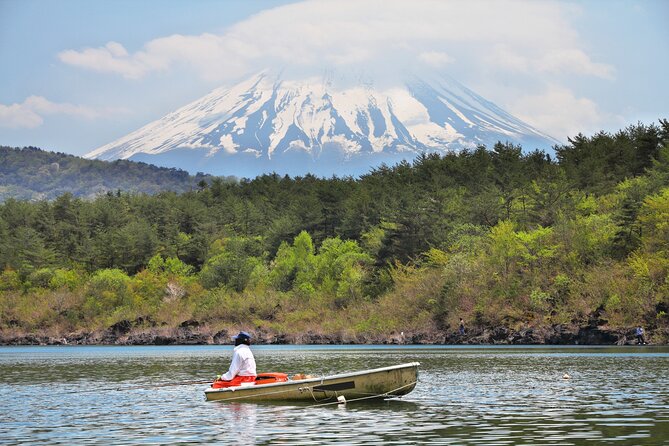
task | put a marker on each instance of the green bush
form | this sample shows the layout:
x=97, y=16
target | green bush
x=107, y=290
x=65, y=278
x=40, y=278
x=10, y=280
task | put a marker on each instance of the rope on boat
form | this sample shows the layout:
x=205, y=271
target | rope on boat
x=371, y=396
x=311, y=390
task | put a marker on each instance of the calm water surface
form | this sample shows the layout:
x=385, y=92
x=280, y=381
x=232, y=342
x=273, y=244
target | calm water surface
x=465, y=395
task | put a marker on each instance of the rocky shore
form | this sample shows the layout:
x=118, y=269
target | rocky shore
x=194, y=333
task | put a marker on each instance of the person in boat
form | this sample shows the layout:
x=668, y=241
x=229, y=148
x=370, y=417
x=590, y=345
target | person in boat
x=639, y=336
x=243, y=366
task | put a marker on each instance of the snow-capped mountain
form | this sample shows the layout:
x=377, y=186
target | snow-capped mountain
x=325, y=126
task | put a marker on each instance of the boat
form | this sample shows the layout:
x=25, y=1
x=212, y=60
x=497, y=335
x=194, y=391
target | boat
x=381, y=383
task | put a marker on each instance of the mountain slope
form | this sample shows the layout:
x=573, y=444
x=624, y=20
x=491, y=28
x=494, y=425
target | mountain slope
x=320, y=125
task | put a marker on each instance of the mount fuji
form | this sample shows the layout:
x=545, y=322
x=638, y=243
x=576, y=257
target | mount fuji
x=325, y=125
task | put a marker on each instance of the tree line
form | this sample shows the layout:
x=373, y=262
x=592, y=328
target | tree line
x=497, y=236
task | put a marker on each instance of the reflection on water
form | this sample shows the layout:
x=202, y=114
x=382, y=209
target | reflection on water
x=484, y=395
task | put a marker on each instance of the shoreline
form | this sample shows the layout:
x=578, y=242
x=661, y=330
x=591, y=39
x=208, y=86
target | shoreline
x=191, y=333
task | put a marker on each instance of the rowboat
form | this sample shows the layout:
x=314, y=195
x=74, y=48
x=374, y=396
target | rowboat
x=381, y=383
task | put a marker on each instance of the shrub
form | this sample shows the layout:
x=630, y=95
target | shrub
x=65, y=278
x=170, y=266
x=9, y=280
x=107, y=290
x=40, y=278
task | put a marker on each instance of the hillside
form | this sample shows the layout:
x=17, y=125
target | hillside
x=523, y=247
x=32, y=174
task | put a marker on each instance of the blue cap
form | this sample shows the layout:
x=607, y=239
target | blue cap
x=242, y=335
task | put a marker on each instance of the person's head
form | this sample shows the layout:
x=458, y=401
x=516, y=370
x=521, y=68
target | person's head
x=242, y=338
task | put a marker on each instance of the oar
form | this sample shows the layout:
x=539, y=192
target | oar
x=183, y=383
x=147, y=386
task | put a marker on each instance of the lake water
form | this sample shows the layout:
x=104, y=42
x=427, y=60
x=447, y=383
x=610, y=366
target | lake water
x=465, y=395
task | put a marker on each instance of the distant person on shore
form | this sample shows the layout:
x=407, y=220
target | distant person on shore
x=462, y=327
x=243, y=366
x=639, y=336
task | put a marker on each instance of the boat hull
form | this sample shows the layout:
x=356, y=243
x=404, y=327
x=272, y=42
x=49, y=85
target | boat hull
x=386, y=382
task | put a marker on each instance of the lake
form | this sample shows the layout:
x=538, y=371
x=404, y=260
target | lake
x=465, y=395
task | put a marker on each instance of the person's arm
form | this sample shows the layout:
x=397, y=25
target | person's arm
x=235, y=367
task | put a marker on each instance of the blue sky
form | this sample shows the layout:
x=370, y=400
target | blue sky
x=79, y=74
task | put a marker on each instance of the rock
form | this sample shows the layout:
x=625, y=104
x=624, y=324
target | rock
x=222, y=337
x=596, y=336
x=561, y=335
x=144, y=331
x=190, y=323
x=163, y=340
x=120, y=328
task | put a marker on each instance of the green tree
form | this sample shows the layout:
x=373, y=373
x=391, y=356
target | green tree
x=170, y=266
x=108, y=289
x=294, y=266
x=341, y=269
x=29, y=250
x=506, y=249
x=233, y=265
x=654, y=220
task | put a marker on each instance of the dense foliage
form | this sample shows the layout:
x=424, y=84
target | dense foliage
x=498, y=237
x=33, y=174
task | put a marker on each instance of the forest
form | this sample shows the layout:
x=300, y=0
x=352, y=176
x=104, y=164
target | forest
x=30, y=173
x=497, y=236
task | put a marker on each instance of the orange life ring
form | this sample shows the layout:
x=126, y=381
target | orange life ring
x=263, y=378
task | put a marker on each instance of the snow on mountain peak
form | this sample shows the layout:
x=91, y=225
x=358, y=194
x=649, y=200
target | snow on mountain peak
x=326, y=125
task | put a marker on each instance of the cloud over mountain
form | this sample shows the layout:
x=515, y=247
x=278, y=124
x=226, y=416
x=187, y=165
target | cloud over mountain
x=479, y=42
x=534, y=36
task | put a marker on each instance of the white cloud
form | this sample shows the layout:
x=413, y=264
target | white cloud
x=505, y=58
x=559, y=112
x=574, y=60
x=532, y=37
x=114, y=58
x=436, y=59
x=30, y=113
x=521, y=54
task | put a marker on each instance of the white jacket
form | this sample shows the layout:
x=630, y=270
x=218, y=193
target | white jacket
x=243, y=363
